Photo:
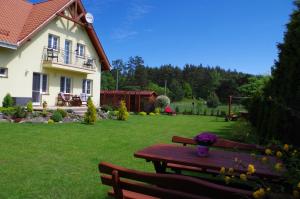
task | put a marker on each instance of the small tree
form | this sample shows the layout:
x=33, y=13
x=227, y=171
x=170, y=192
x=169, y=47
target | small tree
x=8, y=101
x=29, y=107
x=162, y=101
x=123, y=113
x=90, y=116
x=213, y=100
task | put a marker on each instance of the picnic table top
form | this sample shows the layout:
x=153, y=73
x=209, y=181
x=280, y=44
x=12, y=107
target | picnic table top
x=187, y=156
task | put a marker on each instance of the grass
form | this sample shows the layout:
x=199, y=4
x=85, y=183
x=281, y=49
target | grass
x=60, y=160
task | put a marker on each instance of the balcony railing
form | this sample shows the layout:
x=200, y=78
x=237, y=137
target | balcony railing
x=68, y=58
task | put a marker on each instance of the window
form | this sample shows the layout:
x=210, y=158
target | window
x=87, y=86
x=80, y=51
x=53, y=42
x=3, y=72
x=44, y=83
x=65, y=84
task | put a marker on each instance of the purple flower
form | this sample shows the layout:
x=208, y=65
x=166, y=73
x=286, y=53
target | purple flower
x=206, y=138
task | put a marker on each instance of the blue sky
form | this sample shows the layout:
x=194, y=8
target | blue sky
x=234, y=34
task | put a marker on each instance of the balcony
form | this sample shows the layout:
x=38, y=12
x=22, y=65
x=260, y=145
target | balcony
x=68, y=61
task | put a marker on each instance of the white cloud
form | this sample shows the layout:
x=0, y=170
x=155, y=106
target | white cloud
x=136, y=11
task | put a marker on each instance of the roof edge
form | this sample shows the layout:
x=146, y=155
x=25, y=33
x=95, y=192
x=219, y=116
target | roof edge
x=8, y=45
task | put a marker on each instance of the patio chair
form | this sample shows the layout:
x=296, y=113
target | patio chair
x=89, y=62
x=84, y=98
x=134, y=184
x=63, y=99
x=51, y=53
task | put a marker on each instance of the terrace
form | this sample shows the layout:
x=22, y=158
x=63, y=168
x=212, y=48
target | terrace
x=62, y=59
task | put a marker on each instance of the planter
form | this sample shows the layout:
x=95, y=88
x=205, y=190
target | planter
x=202, y=150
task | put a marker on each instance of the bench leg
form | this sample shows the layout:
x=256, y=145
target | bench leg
x=160, y=167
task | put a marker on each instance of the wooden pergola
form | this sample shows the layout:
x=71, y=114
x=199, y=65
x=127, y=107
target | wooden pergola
x=135, y=100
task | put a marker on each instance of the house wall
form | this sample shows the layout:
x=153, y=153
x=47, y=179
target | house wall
x=27, y=59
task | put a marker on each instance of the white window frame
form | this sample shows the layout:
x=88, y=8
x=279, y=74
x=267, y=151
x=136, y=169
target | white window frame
x=80, y=50
x=85, y=87
x=65, y=85
x=5, y=72
x=51, y=37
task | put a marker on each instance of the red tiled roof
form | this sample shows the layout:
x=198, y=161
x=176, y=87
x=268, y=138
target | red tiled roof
x=19, y=20
x=13, y=15
x=120, y=92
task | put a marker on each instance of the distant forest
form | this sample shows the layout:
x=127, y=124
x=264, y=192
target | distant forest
x=190, y=81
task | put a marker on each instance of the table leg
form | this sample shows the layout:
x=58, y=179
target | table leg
x=160, y=167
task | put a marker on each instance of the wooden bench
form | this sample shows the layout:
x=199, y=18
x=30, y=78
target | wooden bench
x=134, y=184
x=221, y=143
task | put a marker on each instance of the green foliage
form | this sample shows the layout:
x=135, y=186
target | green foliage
x=123, y=113
x=177, y=90
x=162, y=101
x=254, y=86
x=20, y=112
x=10, y=111
x=62, y=112
x=157, y=89
x=50, y=121
x=187, y=90
x=152, y=114
x=142, y=113
x=45, y=113
x=90, y=116
x=56, y=116
x=243, y=131
x=276, y=112
x=213, y=100
x=157, y=110
x=7, y=101
x=29, y=107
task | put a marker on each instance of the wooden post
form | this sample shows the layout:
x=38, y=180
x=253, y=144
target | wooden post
x=129, y=102
x=229, y=106
x=139, y=108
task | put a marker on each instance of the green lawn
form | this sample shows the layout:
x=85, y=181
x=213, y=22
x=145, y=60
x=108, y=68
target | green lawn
x=60, y=160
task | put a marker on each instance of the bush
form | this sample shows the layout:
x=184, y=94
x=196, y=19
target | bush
x=90, y=116
x=123, y=113
x=10, y=111
x=8, y=101
x=204, y=112
x=29, y=107
x=50, y=121
x=44, y=113
x=177, y=110
x=213, y=100
x=157, y=110
x=20, y=112
x=162, y=101
x=142, y=113
x=107, y=108
x=62, y=112
x=152, y=114
x=57, y=117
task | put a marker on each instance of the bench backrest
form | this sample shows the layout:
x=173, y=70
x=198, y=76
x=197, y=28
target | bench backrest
x=164, y=185
x=221, y=143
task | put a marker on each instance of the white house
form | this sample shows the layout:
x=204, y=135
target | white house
x=47, y=48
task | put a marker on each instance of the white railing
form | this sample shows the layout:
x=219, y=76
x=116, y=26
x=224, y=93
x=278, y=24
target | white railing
x=60, y=56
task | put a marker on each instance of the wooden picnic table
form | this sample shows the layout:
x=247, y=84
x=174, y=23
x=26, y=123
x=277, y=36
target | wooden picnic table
x=162, y=154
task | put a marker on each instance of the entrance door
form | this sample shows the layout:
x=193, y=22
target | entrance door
x=36, y=89
x=67, y=52
x=39, y=87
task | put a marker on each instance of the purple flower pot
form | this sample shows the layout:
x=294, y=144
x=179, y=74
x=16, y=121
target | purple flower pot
x=202, y=151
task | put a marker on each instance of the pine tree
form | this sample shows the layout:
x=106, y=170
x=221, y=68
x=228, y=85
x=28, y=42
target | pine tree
x=90, y=116
x=281, y=99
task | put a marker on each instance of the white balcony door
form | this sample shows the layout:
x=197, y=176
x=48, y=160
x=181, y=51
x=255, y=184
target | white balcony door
x=39, y=86
x=68, y=51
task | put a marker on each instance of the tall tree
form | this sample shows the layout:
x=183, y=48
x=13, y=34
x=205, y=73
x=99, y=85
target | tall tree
x=276, y=114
